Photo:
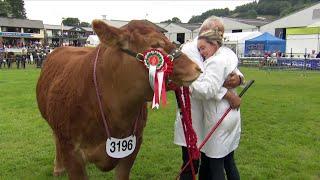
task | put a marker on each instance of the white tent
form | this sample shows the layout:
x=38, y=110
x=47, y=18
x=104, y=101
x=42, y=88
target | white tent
x=92, y=41
x=236, y=40
x=317, y=25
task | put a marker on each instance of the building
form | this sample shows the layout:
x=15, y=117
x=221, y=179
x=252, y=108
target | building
x=18, y=32
x=296, y=29
x=57, y=35
x=176, y=33
x=236, y=41
x=253, y=22
x=232, y=25
x=193, y=27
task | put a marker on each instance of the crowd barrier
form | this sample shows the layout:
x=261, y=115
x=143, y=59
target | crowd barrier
x=281, y=63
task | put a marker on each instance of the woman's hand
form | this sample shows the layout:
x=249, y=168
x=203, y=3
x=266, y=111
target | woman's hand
x=233, y=80
x=233, y=99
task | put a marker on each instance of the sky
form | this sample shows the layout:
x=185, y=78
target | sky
x=52, y=12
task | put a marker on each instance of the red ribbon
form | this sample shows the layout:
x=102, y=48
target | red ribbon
x=167, y=69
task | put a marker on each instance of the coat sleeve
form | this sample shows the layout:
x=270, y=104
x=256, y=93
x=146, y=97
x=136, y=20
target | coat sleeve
x=208, y=86
x=224, y=90
x=232, y=62
x=238, y=72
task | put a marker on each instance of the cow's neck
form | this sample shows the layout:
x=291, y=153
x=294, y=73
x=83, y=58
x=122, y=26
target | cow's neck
x=124, y=87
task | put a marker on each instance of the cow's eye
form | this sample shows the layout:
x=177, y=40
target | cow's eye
x=156, y=45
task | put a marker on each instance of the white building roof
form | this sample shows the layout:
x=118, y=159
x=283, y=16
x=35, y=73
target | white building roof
x=25, y=23
x=232, y=24
x=57, y=27
x=66, y=28
x=240, y=37
x=300, y=18
x=173, y=28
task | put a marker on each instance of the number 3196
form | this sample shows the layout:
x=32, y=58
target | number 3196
x=121, y=146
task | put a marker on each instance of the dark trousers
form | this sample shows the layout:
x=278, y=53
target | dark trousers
x=215, y=168
x=187, y=173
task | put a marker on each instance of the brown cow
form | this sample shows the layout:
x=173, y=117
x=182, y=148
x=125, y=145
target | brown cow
x=67, y=100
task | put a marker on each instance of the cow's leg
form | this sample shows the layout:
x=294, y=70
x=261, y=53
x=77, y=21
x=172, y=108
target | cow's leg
x=98, y=156
x=73, y=160
x=58, y=161
x=124, y=166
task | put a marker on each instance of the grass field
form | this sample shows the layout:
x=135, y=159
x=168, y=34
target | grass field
x=280, y=131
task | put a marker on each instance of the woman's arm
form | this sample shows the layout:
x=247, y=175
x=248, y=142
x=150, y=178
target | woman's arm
x=209, y=83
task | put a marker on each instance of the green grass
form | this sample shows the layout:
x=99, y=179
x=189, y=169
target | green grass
x=280, y=130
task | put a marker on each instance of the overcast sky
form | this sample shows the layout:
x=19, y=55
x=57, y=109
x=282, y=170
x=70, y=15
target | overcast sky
x=52, y=12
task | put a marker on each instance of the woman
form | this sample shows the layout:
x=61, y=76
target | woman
x=217, y=153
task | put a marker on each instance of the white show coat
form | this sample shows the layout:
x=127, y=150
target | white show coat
x=208, y=88
x=191, y=50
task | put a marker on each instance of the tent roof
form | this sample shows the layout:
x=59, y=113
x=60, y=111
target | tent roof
x=265, y=37
x=240, y=37
x=315, y=24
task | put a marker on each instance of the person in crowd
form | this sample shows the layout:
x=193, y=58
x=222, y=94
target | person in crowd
x=233, y=80
x=313, y=54
x=2, y=59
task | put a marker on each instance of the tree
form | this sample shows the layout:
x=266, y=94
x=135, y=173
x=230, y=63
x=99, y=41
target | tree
x=85, y=24
x=213, y=12
x=252, y=14
x=246, y=7
x=69, y=21
x=174, y=20
x=195, y=19
x=4, y=9
x=17, y=8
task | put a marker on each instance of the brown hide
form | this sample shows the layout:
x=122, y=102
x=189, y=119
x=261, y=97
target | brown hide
x=67, y=100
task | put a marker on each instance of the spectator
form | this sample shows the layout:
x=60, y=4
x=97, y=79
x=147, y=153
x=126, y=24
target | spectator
x=313, y=54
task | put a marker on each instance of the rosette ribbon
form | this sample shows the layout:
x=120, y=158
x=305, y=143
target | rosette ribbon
x=158, y=64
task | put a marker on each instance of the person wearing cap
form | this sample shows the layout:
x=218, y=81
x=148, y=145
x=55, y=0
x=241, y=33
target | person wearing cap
x=233, y=80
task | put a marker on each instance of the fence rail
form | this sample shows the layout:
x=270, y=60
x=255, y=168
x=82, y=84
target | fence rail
x=282, y=63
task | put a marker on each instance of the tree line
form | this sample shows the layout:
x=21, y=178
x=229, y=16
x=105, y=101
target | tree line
x=270, y=9
x=12, y=8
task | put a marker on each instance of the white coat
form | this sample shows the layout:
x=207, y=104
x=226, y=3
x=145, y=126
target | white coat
x=208, y=88
x=191, y=50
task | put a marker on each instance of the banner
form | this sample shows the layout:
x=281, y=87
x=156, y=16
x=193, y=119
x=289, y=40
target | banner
x=15, y=34
x=299, y=63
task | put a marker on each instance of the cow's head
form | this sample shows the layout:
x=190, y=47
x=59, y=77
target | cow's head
x=139, y=36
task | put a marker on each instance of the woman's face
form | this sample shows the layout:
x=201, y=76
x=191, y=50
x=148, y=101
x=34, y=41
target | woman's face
x=206, y=49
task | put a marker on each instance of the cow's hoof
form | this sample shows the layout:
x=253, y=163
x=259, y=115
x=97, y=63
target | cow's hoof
x=58, y=172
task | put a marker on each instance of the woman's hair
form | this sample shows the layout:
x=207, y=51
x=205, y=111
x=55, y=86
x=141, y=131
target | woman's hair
x=212, y=23
x=213, y=36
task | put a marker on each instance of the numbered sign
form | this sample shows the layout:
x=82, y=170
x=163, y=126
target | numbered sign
x=120, y=148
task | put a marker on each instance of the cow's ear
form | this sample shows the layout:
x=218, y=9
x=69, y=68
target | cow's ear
x=110, y=35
